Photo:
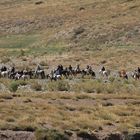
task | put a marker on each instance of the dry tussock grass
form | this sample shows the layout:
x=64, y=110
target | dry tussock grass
x=62, y=110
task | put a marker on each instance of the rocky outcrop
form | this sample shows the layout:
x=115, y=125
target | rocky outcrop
x=16, y=135
x=68, y=135
x=115, y=136
x=87, y=136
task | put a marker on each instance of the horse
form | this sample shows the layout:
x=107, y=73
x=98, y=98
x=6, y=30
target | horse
x=76, y=71
x=88, y=71
x=18, y=75
x=4, y=73
x=3, y=68
x=65, y=72
x=39, y=73
x=104, y=72
x=54, y=75
x=26, y=75
x=123, y=74
x=136, y=75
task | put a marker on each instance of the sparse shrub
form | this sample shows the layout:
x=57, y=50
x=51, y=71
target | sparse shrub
x=15, y=84
x=110, y=88
x=111, y=79
x=58, y=86
x=29, y=128
x=47, y=134
x=10, y=120
x=22, y=83
x=36, y=86
x=5, y=59
x=108, y=115
x=126, y=82
x=22, y=53
x=43, y=63
x=6, y=96
x=63, y=86
x=83, y=96
x=99, y=88
x=51, y=86
x=88, y=86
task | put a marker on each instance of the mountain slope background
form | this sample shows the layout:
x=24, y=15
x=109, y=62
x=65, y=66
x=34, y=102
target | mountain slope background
x=100, y=32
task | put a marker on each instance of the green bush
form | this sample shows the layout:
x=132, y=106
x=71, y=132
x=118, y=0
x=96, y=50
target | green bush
x=111, y=79
x=15, y=84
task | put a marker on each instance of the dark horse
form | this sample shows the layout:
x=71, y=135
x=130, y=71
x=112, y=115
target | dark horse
x=88, y=71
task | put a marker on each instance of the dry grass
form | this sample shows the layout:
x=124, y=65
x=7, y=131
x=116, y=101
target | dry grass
x=50, y=36
x=30, y=111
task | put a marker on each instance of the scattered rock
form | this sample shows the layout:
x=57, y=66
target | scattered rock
x=27, y=101
x=107, y=104
x=68, y=132
x=81, y=8
x=39, y=2
x=103, y=62
x=78, y=30
x=115, y=136
x=87, y=136
x=135, y=136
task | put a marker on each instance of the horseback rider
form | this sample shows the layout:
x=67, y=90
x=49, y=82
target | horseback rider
x=59, y=70
x=87, y=66
x=38, y=68
x=25, y=71
x=12, y=69
x=70, y=68
x=103, y=68
x=4, y=68
x=77, y=68
x=138, y=69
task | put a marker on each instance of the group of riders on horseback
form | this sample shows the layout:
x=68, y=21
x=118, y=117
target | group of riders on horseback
x=66, y=72
x=60, y=72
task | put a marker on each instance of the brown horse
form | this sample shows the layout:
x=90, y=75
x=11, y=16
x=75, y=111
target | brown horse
x=123, y=74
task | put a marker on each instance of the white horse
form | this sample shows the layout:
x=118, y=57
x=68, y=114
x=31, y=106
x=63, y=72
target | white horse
x=104, y=73
x=4, y=73
x=17, y=76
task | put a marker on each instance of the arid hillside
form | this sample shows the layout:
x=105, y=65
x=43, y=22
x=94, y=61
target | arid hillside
x=99, y=31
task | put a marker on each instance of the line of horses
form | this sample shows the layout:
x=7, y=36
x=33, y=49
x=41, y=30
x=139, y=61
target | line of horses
x=61, y=71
